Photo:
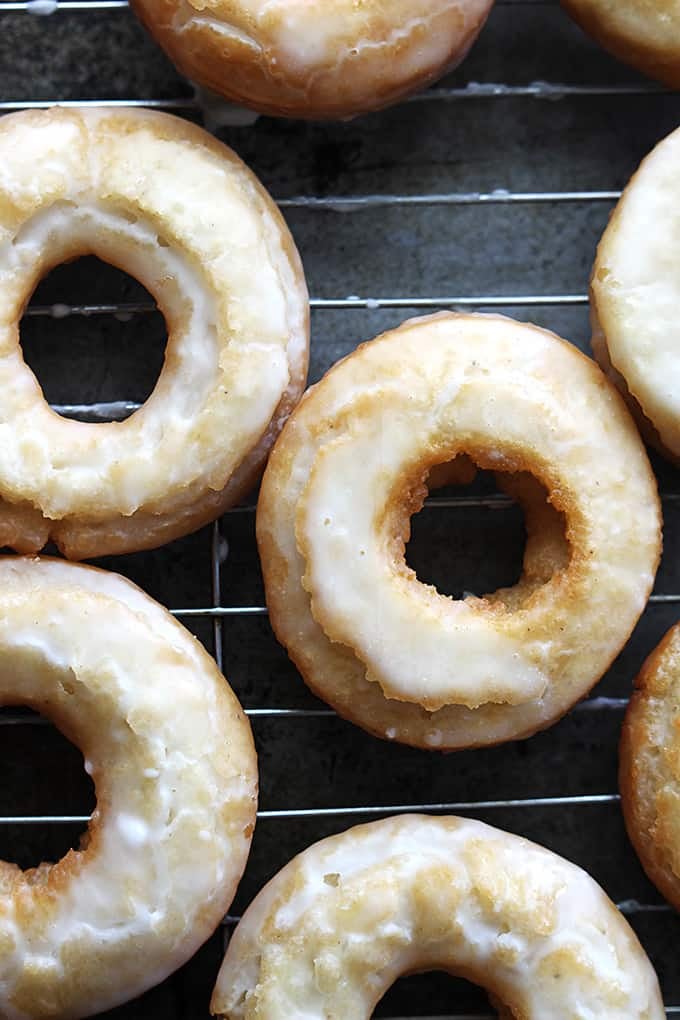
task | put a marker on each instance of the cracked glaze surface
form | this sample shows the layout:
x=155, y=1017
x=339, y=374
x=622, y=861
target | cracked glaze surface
x=350, y=468
x=172, y=759
x=650, y=766
x=164, y=201
x=643, y=33
x=298, y=58
x=339, y=924
x=635, y=295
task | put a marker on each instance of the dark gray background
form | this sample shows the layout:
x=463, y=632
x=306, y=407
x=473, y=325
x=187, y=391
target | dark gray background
x=447, y=142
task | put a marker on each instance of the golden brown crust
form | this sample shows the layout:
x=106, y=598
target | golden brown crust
x=642, y=33
x=345, y=918
x=401, y=375
x=649, y=770
x=634, y=295
x=175, y=774
x=161, y=199
x=297, y=59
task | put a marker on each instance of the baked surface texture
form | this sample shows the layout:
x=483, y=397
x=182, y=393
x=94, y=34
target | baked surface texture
x=642, y=33
x=650, y=767
x=162, y=200
x=351, y=467
x=302, y=59
x=345, y=918
x=172, y=758
x=635, y=296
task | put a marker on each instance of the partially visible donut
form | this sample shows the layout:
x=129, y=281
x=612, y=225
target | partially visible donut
x=650, y=766
x=171, y=755
x=162, y=200
x=635, y=296
x=347, y=472
x=348, y=916
x=643, y=33
x=300, y=59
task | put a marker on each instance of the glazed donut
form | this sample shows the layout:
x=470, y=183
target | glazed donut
x=162, y=200
x=635, y=297
x=172, y=759
x=339, y=924
x=649, y=778
x=391, y=653
x=642, y=33
x=300, y=59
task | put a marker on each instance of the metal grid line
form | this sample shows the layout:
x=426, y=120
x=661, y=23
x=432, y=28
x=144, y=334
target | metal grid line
x=544, y=90
x=362, y=809
x=216, y=585
x=125, y=310
x=360, y=203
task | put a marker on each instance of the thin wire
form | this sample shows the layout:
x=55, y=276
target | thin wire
x=459, y=301
x=216, y=584
x=352, y=301
x=479, y=805
x=180, y=103
x=371, y=809
x=52, y=6
x=533, y=90
x=499, y=196
x=473, y=90
x=218, y=612
x=62, y=311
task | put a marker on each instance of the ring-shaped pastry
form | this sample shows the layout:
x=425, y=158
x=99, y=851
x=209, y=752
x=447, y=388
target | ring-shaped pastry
x=348, y=916
x=650, y=766
x=642, y=33
x=300, y=59
x=171, y=755
x=347, y=472
x=163, y=200
x=635, y=297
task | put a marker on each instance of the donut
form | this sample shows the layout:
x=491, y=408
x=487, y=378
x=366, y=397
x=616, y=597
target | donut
x=171, y=755
x=161, y=199
x=343, y=920
x=299, y=59
x=642, y=33
x=347, y=472
x=649, y=771
x=635, y=297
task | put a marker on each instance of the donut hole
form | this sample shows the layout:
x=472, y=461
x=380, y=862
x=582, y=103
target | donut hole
x=43, y=776
x=478, y=542
x=435, y=990
x=81, y=360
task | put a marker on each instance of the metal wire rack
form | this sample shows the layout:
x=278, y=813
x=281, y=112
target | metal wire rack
x=221, y=607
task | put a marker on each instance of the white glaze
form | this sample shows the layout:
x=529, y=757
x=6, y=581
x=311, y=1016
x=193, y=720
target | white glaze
x=329, y=934
x=298, y=58
x=173, y=764
x=636, y=289
x=362, y=629
x=151, y=195
x=418, y=646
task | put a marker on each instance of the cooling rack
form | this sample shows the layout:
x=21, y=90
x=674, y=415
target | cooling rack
x=488, y=191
